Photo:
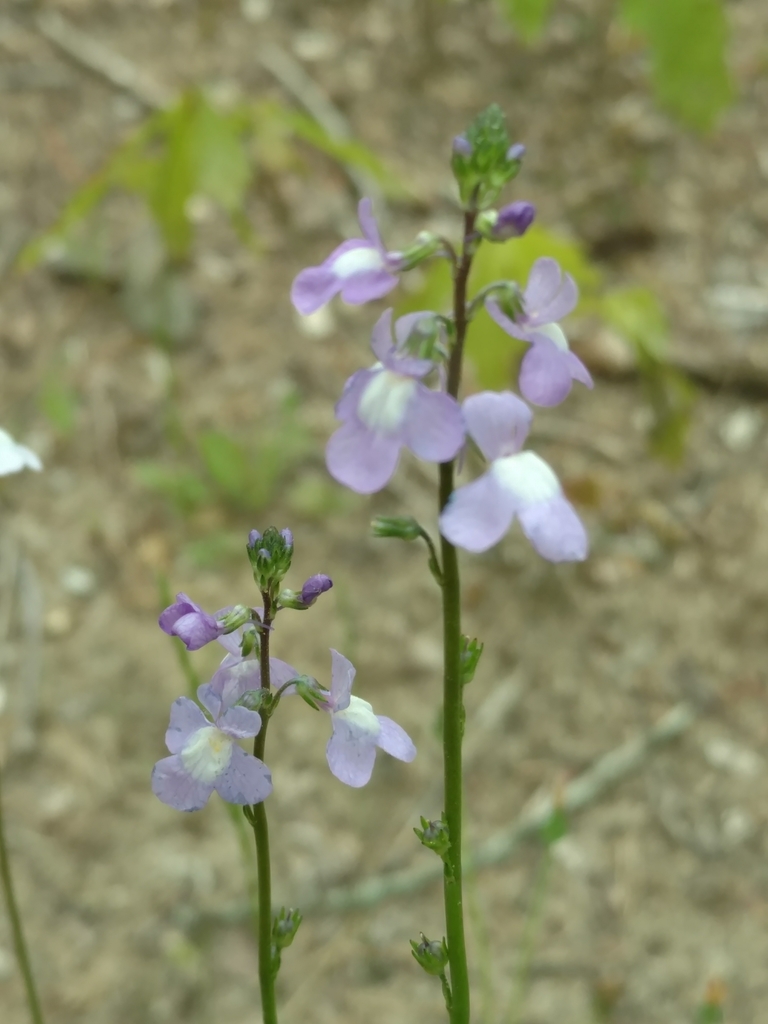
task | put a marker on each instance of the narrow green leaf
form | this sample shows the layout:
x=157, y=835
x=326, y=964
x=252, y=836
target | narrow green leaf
x=182, y=487
x=227, y=464
x=528, y=16
x=687, y=40
x=223, y=168
x=176, y=178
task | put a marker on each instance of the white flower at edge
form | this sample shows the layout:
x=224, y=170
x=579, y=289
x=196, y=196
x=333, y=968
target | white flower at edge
x=15, y=457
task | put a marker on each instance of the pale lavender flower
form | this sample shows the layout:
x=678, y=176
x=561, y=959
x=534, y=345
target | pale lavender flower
x=194, y=627
x=361, y=269
x=314, y=587
x=206, y=757
x=357, y=731
x=516, y=151
x=549, y=367
x=513, y=220
x=517, y=484
x=15, y=457
x=387, y=408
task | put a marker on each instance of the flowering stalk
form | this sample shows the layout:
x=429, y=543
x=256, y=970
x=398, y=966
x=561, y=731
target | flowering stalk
x=453, y=702
x=19, y=944
x=257, y=815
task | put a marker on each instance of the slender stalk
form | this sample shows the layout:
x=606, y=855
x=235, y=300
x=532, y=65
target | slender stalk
x=17, y=932
x=258, y=820
x=453, y=704
x=530, y=936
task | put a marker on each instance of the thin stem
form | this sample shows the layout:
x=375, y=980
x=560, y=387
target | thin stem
x=530, y=935
x=453, y=704
x=258, y=819
x=17, y=932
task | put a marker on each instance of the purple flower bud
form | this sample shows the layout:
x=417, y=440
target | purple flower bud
x=314, y=587
x=513, y=220
x=462, y=146
x=253, y=539
x=266, y=555
x=287, y=536
x=516, y=152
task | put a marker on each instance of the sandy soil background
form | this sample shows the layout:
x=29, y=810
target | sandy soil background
x=132, y=910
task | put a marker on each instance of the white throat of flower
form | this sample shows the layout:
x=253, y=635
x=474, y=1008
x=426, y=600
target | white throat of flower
x=359, y=716
x=527, y=477
x=384, y=402
x=358, y=261
x=555, y=333
x=207, y=753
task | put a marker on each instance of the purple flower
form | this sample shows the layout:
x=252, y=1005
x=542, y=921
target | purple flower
x=549, y=367
x=386, y=408
x=206, y=757
x=360, y=268
x=357, y=731
x=513, y=220
x=194, y=627
x=517, y=483
x=314, y=587
x=516, y=151
x=462, y=146
x=15, y=457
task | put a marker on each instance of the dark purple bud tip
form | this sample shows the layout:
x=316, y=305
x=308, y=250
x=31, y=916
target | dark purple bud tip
x=462, y=146
x=516, y=152
x=314, y=587
x=514, y=220
x=253, y=538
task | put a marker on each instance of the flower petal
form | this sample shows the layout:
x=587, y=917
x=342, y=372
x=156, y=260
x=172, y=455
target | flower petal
x=549, y=294
x=498, y=423
x=382, y=343
x=346, y=407
x=342, y=676
x=186, y=718
x=280, y=673
x=434, y=429
x=395, y=740
x=366, y=286
x=229, y=683
x=15, y=457
x=506, y=323
x=173, y=784
x=545, y=373
x=240, y=723
x=246, y=780
x=368, y=223
x=478, y=514
x=579, y=371
x=555, y=531
x=350, y=755
x=183, y=605
x=313, y=288
x=360, y=459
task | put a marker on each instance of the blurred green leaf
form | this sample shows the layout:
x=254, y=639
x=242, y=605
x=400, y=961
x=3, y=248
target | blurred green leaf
x=215, y=548
x=186, y=491
x=638, y=316
x=227, y=464
x=528, y=16
x=58, y=403
x=687, y=40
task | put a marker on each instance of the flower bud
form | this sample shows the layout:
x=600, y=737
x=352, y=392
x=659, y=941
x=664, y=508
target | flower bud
x=484, y=160
x=471, y=650
x=270, y=556
x=432, y=956
x=511, y=221
x=426, y=244
x=255, y=700
x=312, y=589
x=435, y=836
x=310, y=692
x=235, y=618
x=402, y=527
x=285, y=926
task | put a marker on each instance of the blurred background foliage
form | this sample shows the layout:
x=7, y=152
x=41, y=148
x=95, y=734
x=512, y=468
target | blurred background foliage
x=200, y=149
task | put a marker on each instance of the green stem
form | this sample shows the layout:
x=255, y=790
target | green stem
x=17, y=932
x=530, y=936
x=453, y=704
x=258, y=819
